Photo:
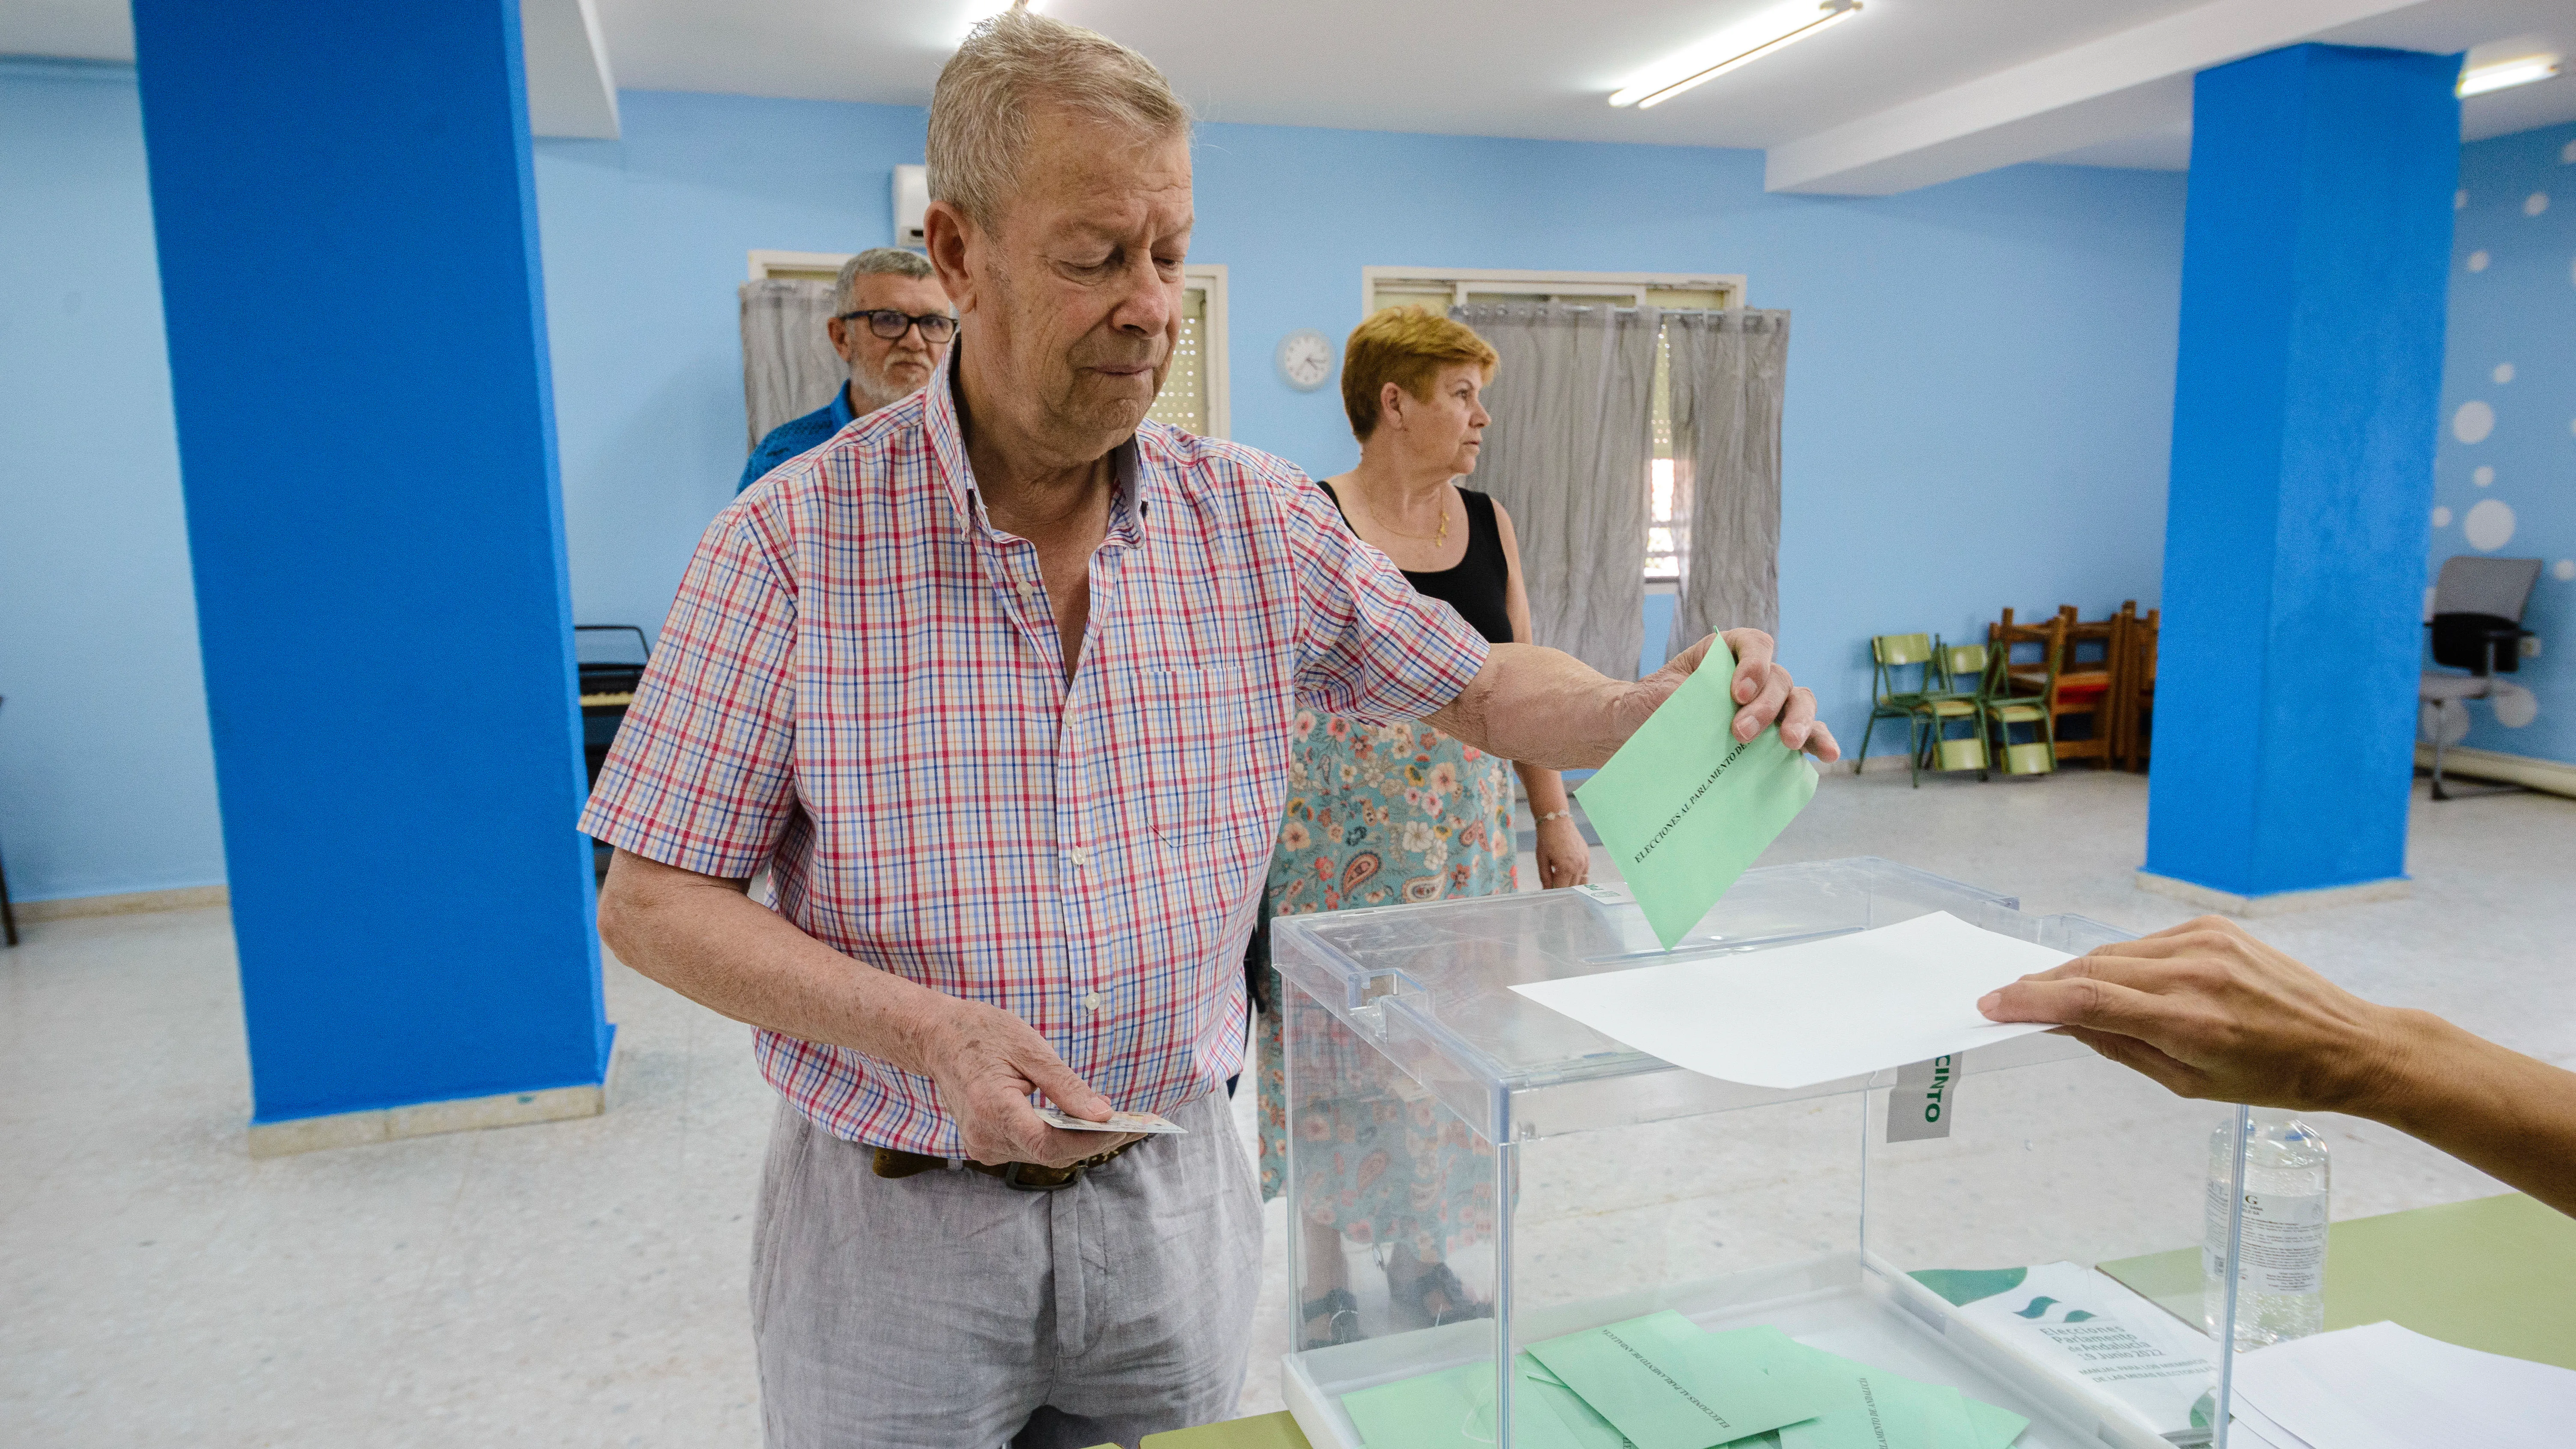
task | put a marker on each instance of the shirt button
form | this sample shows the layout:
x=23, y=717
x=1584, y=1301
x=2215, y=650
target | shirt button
x=1092, y=1001
x=1077, y=855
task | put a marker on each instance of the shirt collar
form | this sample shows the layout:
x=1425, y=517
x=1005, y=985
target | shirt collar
x=1131, y=488
x=842, y=412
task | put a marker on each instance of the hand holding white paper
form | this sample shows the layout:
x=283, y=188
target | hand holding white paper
x=1815, y=1012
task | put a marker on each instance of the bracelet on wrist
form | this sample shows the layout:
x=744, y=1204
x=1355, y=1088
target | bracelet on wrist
x=1555, y=815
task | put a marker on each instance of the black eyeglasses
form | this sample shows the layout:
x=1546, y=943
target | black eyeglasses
x=890, y=324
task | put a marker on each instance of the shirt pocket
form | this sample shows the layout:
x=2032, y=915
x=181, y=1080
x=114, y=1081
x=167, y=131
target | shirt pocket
x=1209, y=799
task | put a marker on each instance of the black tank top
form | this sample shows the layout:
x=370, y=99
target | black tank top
x=1479, y=586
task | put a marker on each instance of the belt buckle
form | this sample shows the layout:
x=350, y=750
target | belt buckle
x=1011, y=1178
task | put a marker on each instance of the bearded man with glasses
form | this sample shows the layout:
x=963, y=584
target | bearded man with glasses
x=893, y=329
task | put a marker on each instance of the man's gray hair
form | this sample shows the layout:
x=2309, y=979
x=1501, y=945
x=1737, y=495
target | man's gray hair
x=979, y=112
x=876, y=262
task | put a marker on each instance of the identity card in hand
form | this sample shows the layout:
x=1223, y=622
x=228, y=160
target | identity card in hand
x=1152, y=1124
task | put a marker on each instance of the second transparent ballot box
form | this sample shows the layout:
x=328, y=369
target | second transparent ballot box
x=1471, y=1175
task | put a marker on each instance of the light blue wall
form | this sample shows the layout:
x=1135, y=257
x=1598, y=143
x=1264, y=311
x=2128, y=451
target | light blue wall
x=1980, y=376
x=1978, y=402
x=106, y=780
x=645, y=240
x=2513, y=305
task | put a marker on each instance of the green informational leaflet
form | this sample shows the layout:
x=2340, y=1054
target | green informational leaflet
x=1684, y=808
x=1666, y=1383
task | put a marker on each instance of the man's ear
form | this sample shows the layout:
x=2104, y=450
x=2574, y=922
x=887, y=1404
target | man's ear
x=839, y=332
x=948, y=233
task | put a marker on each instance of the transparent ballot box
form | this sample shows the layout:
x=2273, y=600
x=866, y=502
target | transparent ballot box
x=1470, y=1174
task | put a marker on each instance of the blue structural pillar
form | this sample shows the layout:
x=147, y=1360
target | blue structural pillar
x=2316, y=256
x=348, y=243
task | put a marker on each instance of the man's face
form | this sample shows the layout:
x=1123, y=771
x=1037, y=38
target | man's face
x=882, y=371
x=1071, y=302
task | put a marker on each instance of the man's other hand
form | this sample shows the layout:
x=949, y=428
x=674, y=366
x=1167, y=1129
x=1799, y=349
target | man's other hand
x=986, y=1062
x=2209, y=1011
x=1764, y=693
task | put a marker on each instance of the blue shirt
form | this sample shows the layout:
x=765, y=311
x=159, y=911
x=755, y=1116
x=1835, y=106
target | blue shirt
x=797, y=435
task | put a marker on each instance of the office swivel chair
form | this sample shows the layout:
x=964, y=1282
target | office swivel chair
x=2477, y=626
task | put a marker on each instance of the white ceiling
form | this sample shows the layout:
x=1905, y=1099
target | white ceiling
x=1909, y=92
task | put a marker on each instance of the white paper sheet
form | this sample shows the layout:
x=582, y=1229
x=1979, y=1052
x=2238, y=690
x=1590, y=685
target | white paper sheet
x=2381, y=1386
x=1799, y=1015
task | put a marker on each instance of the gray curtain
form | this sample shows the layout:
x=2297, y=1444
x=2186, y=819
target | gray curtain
x=1728, y=370
x=1567, y=454
x=788, y=365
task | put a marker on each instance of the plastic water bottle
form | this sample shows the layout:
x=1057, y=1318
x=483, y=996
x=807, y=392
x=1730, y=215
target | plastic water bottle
x=2280, y=1290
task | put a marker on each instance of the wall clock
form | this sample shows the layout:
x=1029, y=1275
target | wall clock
x=1305, y=359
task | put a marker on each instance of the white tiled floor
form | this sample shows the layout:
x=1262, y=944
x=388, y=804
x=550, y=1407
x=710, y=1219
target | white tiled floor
x=583, y=1283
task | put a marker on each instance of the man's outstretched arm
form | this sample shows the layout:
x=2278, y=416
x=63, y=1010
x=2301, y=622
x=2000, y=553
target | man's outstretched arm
x=1543, y=707
x=2209, y=1011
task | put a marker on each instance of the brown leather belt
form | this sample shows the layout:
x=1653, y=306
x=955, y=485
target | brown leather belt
x=1025, y=1176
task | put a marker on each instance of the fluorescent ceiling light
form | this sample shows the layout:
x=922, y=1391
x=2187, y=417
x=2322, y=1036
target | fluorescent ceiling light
x=1729, y=49
x=2478, y=80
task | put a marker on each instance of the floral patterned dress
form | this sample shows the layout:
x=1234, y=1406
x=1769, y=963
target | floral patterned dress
x=1379, y=815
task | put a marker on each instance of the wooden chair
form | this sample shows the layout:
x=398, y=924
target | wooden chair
x=8, y=916
x=2132, y=699
x=2075, y=682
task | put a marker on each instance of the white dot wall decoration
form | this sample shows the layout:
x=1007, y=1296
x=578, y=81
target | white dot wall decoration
x=2452, y=722
x=2473, y=422
x=2566, y=570
x=2441, y=518
x=2477, y=261
x=2503, y=372
x=2460, y=198
x=2489, y=525
x=2566, y=157
x=2484, y=477
x=2536, y=203
x=2514, y=706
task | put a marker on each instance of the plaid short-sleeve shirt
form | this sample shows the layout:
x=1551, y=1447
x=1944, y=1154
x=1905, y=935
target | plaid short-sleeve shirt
x=861, y=685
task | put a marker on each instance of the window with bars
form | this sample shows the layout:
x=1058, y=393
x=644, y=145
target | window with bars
x=1667, y=494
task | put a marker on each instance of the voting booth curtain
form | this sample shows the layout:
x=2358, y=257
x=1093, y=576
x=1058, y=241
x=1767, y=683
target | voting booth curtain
x=788, y=366
x=1567, y=455
x=1727, y=375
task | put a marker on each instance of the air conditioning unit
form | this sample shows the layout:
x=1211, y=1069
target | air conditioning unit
x=911, y=199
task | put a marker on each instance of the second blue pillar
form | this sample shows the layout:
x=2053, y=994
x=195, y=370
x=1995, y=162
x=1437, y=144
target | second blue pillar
x=2315, y=266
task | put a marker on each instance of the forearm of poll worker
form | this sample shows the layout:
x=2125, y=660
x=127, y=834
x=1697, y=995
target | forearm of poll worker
x=703, y=937
x=1545, y=707
x=2510, y=1116
x=2209, y=1011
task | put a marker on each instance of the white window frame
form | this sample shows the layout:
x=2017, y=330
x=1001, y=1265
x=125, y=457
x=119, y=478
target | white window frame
x=768, y=264
x=1628, y=286
x=1207, y=276
x=1210, y=277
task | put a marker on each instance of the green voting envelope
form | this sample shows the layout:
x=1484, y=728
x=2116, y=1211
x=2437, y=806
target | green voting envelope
x=1684, y=808
x=1454, y=1409
x=1668, y=1384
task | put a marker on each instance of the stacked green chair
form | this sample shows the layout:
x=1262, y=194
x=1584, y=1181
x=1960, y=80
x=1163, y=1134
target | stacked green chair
x=2005, y=707
x=1960, y=700
x=1893, y=695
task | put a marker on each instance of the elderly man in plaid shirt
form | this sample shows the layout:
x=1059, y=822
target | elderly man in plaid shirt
x=998, y=683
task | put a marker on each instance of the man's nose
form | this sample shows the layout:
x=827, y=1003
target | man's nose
x=1146, y=305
